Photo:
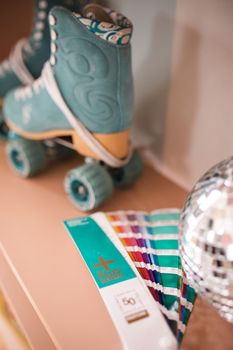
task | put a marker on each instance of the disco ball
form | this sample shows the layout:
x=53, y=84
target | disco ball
x=206, y=237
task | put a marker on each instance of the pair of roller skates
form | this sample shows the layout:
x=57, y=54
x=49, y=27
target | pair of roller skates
x=82, y=100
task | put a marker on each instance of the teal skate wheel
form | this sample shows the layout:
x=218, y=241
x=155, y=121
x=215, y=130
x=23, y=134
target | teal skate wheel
x=26, y=157
x=88, y=186
x=129, y=173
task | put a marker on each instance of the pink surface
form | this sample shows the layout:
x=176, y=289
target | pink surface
x=24, y=313
x=46, y=260
x=47, y=263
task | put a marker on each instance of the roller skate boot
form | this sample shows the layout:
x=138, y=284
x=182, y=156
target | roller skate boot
x=27, y=58
x=83, y=100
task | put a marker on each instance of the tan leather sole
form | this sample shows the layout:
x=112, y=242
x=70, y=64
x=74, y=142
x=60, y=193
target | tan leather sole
x=116, y=143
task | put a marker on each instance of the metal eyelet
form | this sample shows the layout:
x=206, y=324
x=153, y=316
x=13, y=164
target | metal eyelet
x=53, y=60
x=53, y=47
x=54, y=35
x=42, y=15
x=43, y=4
x=39, y=25
x=38, y=35
x=52, y=20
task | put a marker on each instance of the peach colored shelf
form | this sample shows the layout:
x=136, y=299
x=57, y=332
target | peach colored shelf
x=46, y=282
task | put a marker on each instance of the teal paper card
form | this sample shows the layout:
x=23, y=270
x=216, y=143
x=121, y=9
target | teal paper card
x=103, y=259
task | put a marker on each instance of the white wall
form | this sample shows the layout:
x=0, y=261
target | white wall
x=183, y=66
x=199, y=119
x=152, y=49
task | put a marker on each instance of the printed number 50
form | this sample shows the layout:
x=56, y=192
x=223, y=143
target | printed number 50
x=128, y=301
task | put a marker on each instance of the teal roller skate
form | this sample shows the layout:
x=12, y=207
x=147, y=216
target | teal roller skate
x=83, y=100
x=27, y=58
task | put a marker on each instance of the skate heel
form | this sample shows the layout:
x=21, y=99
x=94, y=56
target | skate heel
x=117, y=144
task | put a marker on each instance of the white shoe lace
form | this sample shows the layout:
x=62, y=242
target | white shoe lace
x=16, y=64
x=21, y=93
x=88, y=138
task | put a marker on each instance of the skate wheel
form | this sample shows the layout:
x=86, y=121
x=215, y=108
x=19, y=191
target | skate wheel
x=129, y=173
x=26, y=157
x=88, y=186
